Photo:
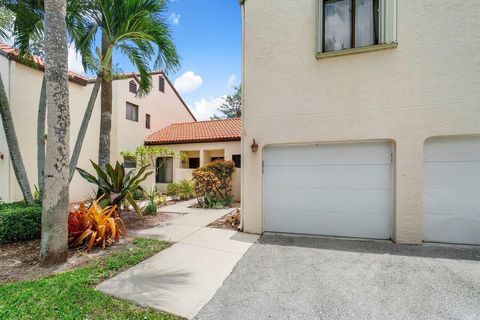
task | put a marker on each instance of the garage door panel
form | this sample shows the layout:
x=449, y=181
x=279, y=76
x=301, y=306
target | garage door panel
x=446, y=228
x=452, y=190
x=333, y=177
x=452, y=175
x=373, y=226
x=330, y=189
x=439, y=201
x=325, y=154
x=340, y=200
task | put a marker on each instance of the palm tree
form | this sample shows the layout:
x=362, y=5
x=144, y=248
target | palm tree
x=28, y=31
x=9, y=129
x=54, y=247
x=139, y=30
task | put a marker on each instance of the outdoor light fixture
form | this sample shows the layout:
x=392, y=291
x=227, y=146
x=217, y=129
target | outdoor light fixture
x=254, y=146
x=1, y=156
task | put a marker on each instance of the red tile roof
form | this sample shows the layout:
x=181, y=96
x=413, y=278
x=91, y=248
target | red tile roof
x=199, y=131
x=39, y=64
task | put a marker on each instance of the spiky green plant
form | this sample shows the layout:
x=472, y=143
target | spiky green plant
x=114, y=185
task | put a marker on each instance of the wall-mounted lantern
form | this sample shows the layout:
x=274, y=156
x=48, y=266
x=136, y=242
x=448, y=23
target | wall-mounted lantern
x=254, y=146
x=1, y=156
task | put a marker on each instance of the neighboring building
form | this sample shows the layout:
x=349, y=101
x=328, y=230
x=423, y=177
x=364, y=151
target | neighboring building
x=133, y=118
x=202, y=142
x=367, y=119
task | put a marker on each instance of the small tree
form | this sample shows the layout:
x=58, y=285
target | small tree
x=232, y=105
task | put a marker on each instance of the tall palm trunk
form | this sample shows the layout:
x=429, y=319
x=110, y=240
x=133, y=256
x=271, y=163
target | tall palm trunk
x=42, y=113
x=54, y=243
x=13, y=147
x=106, y=110
x=84, y=126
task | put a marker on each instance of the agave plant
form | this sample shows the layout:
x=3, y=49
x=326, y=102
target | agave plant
x=114, y=185
x=153, y=201
x=94, y=226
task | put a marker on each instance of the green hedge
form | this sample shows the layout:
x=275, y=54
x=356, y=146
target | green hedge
x=19, y=222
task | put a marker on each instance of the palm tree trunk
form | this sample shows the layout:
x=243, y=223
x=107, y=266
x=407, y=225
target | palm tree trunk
x=54, y=243
x=42, y=112
x=13, y=147
x=106, y=110
x=84, y=127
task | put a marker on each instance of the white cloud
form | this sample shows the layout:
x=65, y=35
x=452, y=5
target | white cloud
x=175, y=18
x=74, y=61
x=232, y=81
x=206, y=108
x=188, y=82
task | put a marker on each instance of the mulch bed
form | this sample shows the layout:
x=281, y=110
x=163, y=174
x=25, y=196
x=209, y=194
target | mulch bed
x=226, y=222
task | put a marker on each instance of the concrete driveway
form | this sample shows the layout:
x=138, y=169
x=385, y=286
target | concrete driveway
x=283, y=277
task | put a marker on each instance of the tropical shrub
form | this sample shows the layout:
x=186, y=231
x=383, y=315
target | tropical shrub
x=114, y=186
x=138, y=194
x=186, y=190
x=213, y=184
x=173, y=190
x=19, y=222
x=154, y=200
x=95, y=226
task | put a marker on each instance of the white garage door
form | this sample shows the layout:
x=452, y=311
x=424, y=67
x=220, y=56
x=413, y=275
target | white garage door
x=329, y=189
x=452, y=190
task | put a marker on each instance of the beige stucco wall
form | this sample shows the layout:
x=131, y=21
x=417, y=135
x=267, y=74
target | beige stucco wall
x=209, y=149
x=165, y=108
x=5, y=163
x=428, y=86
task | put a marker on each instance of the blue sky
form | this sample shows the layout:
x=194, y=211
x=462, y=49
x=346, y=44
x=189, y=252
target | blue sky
x=207, y=34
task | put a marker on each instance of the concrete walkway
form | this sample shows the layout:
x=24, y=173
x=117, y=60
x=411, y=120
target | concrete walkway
x=184, y=277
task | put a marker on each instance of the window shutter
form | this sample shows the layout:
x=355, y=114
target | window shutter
x=388, y=21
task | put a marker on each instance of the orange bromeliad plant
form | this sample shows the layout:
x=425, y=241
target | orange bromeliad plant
x=94, y=226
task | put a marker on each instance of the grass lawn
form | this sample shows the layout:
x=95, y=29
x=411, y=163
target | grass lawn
x=71, y=295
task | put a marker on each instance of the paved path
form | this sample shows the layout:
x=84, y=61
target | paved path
x=297, y=278
x=184, y=277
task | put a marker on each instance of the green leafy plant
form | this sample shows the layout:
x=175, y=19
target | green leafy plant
x=138, y=194
x=114, y=186
x=154, y=200
x=19, y=222
x=173, y=190
x=213, y=184
x=186, y=190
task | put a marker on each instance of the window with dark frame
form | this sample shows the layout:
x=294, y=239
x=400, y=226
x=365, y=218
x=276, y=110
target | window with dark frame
x=164, y=170
x=131, y=112
x=237, y=158
x=161, y=84
x=193, y=163
x=350, y=24
x=132, y=86
x=147, y=121
x=129, y=163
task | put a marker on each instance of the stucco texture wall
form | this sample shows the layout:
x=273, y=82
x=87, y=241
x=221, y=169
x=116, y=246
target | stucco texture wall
x=428, y=86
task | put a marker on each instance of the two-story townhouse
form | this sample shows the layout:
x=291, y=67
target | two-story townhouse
x=133, y=118
x=367, y=118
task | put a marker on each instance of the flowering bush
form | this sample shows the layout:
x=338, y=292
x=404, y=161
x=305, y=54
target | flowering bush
x=213, y=184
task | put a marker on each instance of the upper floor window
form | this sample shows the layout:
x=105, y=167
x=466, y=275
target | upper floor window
x=349, y=24
x=161, y=84
x=131, y=112
x=147, y=121
x=132, y=86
